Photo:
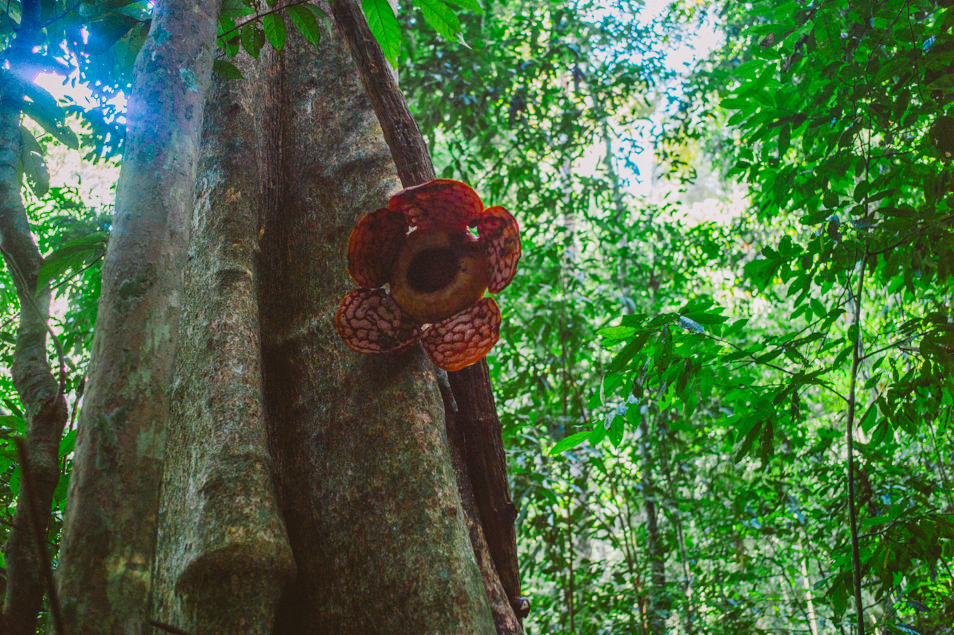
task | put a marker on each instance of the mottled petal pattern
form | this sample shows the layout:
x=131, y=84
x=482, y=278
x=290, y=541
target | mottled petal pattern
x=500, y=235
x=370, y=321
x=374, y=244
x=441, y=203
x=464, y=338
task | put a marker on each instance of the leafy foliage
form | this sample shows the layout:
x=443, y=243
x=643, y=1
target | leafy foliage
x=721, y=409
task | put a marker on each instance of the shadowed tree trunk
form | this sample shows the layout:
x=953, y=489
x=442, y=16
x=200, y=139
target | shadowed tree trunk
x=304, y=488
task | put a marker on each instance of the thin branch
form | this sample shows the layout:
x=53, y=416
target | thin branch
x=34, y=514
x=781, y=369
x=896, y=344
x=62, y=15
x=59, y=284
x=259, y=16
x=21, y=281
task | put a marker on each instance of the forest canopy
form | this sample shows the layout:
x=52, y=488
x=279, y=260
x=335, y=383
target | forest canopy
x=725, y=371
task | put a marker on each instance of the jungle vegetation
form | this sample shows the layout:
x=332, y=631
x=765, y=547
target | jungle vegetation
x=726, y=367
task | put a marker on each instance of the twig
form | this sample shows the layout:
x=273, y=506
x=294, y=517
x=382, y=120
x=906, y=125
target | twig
x=781, y=369
x=259, y=16
x=894, y=344
x=62, y=15
x=34, y=515
x=54, y=286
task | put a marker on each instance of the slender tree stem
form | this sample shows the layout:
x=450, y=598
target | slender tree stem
x=571, y=575
x=850, y=440
x=41, y=396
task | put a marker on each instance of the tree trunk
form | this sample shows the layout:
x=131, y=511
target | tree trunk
x=305, y=488
x=469, y=400
x=219, y=524
x=359, y=447
x=109, y=531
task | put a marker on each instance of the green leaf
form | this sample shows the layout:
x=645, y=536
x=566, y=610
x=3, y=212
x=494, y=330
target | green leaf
x=306, y=23
x=767, y=443
x=597, y=435
x=73, y=255
x=627, y=353
x=617, y=332
x=618, y=426
x=32, y=164
x=67, y=443
x=226, y=70
x=235, y=8
x=569, y=442
x=42, y=108
x=441, y=17
x=14, y=423
x=253, y=39
x=274, y=28
x=784, y=140
x=385, y=28
x=749, y=440
x=852, y=335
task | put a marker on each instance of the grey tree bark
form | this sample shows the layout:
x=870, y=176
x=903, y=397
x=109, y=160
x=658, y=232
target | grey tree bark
x=361, y=457
x=222, y=554
x=304, y=488
x=104, y=575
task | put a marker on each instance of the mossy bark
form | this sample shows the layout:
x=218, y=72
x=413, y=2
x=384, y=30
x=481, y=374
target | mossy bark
x=222, y=554
x=306, y=488
x=361, y=457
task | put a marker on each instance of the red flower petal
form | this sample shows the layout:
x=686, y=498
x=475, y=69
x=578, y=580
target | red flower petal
x=464, y=338
x=500, y=235
x=441, y=203
x=374, y=244
x=370, y=321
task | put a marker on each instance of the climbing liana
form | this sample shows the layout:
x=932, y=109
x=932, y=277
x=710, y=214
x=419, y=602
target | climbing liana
x=423, y=273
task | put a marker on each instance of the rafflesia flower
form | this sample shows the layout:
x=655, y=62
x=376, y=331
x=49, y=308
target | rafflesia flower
x=437, y=271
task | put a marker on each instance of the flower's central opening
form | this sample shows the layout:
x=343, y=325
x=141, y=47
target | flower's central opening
x=432, y=269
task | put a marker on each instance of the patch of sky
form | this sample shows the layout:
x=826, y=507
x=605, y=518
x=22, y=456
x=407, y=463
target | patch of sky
x=675, y=48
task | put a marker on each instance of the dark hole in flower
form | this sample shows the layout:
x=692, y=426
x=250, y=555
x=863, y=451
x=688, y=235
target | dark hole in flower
x=432, y=269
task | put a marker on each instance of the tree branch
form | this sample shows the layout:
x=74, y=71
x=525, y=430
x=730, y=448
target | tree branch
x=33, y=378
x=259, y=16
